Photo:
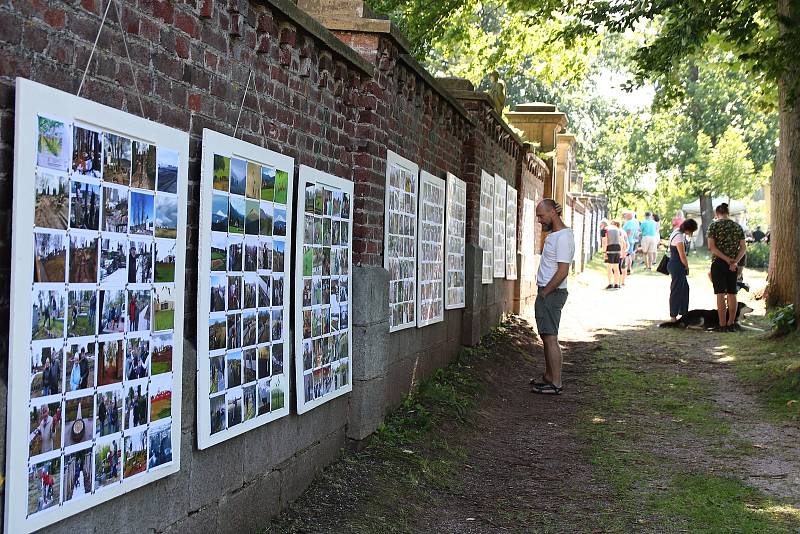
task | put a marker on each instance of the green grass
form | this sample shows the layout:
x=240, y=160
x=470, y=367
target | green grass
x=276, y=398
x=267, y=193
x=281, y=186
x=773, y=367
x=308, y=262
x=160, y=367
x=80, y=327
x=160, y=409
x=165, y=272
x=56, y=329
x=164, y=320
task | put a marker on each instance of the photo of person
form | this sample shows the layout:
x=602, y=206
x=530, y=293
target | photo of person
x=238, y=176
x=47, y=314
x=140, y=262
x=218, y=416
x=137, y=358
x=108, y=412
x=277, y=325
x=265, y=255
x=233, y=400
x=235, y=255
x=81, y=313
x=78, y=474
x=107, y=461
x=110, y=361
x=219, y=251
x=161, y=361
x=277, y=392
x=82, y=259
x=264, y=291
x=141, y=213
x=53, y=142
x=249, y=364
x=251, y=255
x=236, y=213
x=112, y=311
x=267, y=183
x=47, y=369
x=84, y=204
x=277, y=359
x=218, y=285
x=263, y=396
x=279, y=222
x=160, y=397
x=135, y=461
x=164, y=305
x=167, y=164
x=113, y=261
x=253, y=185
x=277, y=290
x=234, y=292
x=219, y=212
x=216, y=333
x=80, y=360
x=136, y=410
x=345, y=205
x=281, y=186
x=116, y=159
x=86, y=152
x=265, y=218
x=308, y=387
x=249, y=394
x=160, y=445
x=143, y=173
x=49, y=257
x=78, y=420
x=165, y=260
x=250, y=292
x=249, y=328
x=45, y=428
x=52, y=201
x=217, y=374
x=166, y=216
x=263, y=367
x=139, y=308
x=222, y=171
x=233, y=362
x=278, y=255
x=234, y=331
x=44, y=485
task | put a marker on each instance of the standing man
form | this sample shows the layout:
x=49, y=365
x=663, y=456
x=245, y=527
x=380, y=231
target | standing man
x=557, y=256
x=650, y=239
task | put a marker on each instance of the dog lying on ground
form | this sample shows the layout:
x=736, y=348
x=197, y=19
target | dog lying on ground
x=705, y=319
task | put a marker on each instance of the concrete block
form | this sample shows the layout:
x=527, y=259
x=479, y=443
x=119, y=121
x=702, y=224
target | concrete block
x=216, y=471
x=268, y=446
x=367, y=407
x=189, y=387
x=370, y=351
x=323, y=420
x=202, y=521
x=471, y=329
x=249, y=508
x=298, y=472
x=370, y=294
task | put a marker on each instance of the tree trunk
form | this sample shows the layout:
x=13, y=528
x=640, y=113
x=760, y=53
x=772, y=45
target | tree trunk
x=784, y=257
x=706, y=210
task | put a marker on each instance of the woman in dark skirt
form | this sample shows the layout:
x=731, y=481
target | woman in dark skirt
x=678, y=267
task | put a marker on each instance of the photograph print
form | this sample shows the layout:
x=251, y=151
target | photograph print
x=47, y=369
x=45, y=428
x=222, y=171
x=49, y=257
x=113, y=316
x=108, y=412
x=236, y=215
x=167, y=168
x=107, y=462
x=52, y=200
x=165, y=260
x=81, y=313
x=160, y=397
x=87, y=152
x=140, y=262
x=115, y=209
x=139, y=310
x=110, y=361
x=48, y=307
x=219, y=212
x=135, y=460
x=84, y=206
x=218, y=418
x=141, y=214
x=44, y=485
x=116, y=159
x=143, y=173
x=238, y=177
x=80, y=365
x=281, y=186
x=160, y=446
x=166, y=216
x=164, y=306
x=78, y=420
x=253, y=184
x=267, y=183
x=53, y=142
x=78, y=474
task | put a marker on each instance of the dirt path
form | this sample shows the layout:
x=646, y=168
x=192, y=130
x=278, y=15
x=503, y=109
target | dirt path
x=653, y=434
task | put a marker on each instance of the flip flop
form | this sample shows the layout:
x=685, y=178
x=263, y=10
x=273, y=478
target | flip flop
x=547, y=389
x=538, y=382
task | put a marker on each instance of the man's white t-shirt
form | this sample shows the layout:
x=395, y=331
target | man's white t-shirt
x=559, y=247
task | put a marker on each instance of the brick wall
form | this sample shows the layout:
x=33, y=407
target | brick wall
x=334, y=104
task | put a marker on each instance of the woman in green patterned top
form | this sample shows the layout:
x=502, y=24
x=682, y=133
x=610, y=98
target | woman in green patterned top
x=726, y=243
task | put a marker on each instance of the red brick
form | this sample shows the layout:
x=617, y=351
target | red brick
x=187, y=23
x=163, y=10
x=182, y=47
x=195, y=101
x=55, y=18
x=206, y=9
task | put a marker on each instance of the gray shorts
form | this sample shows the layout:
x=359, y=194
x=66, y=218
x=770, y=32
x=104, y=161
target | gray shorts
x=548, y=311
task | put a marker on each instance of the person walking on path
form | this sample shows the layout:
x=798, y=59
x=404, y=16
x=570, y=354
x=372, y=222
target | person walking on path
x=631, y=228
x=557, y=256
x=678, y=267
x=612, y=248
x=650, y=239
x=726, y=243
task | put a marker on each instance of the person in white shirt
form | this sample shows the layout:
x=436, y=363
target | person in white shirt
x=557, y=256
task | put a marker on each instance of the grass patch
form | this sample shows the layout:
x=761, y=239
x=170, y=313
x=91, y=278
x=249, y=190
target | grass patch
x=164, y=320
x=165, y=272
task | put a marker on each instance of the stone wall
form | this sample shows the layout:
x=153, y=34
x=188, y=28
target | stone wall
x=335, y=100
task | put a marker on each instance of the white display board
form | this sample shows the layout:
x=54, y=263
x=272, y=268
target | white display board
x=486, y=227
x=244, y=253
x=323, y=337
x=511, y=233
x=499, y=227
x=96, y=333
x=430, y=250
x=528, y=239
x=455, y=243
x=400, y=240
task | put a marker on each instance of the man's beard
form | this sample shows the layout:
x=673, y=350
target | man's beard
x=547, y=227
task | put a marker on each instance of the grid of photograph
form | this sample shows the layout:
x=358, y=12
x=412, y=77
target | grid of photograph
x=486, y=229
x=511, y=233
x=247, y=354
x=325, y=293
x=401, y=257
x=431, y=250
x=103, y=312
x=455, y=245
x=499, y=227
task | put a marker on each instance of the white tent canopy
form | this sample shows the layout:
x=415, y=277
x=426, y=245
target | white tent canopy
x=692, y=209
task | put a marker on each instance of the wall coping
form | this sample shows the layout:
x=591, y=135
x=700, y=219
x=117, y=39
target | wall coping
x=486, y=99
x=323, y=34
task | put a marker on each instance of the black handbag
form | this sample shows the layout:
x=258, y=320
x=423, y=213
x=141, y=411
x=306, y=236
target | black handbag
x=662, y=265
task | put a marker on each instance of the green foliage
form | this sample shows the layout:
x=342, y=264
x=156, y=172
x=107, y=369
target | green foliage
x=758, y=255
x=730, y=170
x=782, y=320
